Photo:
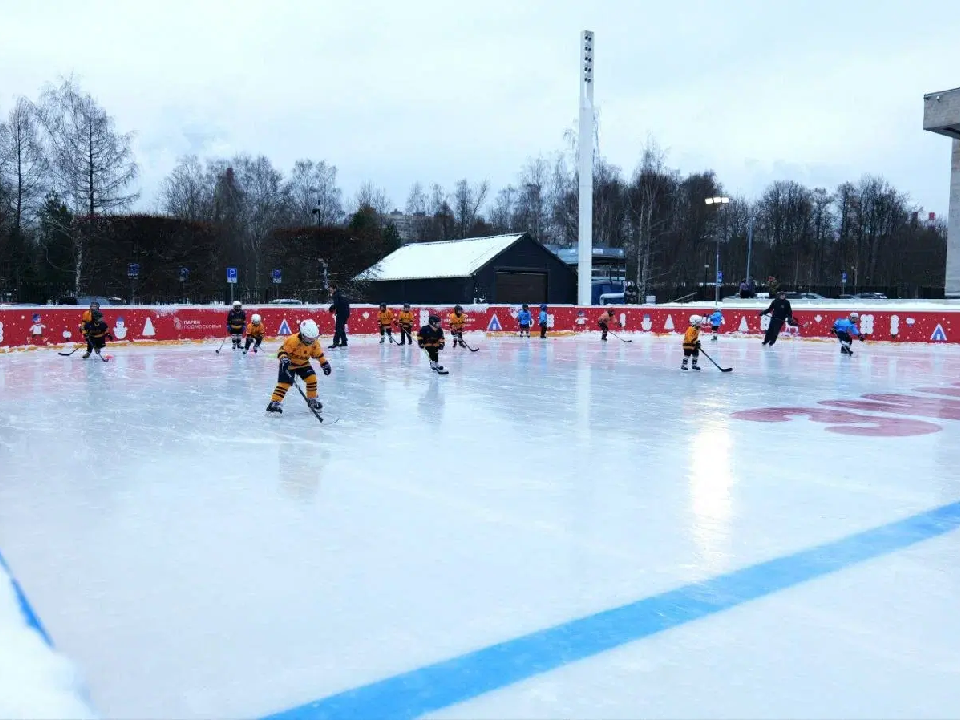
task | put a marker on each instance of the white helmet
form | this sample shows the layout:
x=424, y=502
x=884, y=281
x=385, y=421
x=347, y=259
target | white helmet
x=309, y=330
x=255, y=319
x=695, y=320
x=854, y=316
x=236, y=303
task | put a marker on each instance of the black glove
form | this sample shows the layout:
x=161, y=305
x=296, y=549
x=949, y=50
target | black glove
x=697, y=345
x=285, y=364
x=326, y=368
x=862, y=338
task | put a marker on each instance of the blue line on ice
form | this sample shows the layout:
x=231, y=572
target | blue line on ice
x=25, y=608
x=433, y=687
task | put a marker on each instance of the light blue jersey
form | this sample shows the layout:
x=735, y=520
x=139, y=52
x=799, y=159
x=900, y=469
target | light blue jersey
x=844, y=325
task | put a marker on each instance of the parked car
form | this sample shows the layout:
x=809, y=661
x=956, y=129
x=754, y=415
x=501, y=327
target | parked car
x=871, y=296
x=87, y=299
x=285, y=301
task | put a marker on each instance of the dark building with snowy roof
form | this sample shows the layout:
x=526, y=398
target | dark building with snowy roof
x=509, y=269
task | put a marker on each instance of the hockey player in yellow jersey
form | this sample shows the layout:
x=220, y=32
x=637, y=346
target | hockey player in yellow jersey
x=691, y=342
x=295, y=355
x=385, y=320
x=405, y=320
x=457, y=320
x=254, y=334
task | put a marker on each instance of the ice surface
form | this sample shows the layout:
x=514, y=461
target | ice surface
x=443, y=259
x=35, y=680
x=199, y=559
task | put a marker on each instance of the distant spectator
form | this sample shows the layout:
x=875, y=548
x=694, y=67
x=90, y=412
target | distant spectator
x=744, y=290
x=340, y=309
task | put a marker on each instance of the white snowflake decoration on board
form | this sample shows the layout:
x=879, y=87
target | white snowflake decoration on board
x=1, y=332
x=668, y=325
x=764, y=322
x=894, y=324
x=866, y=324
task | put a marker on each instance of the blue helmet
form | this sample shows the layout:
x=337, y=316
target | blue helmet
x=543, y=306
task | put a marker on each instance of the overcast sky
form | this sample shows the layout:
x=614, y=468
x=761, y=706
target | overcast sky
x=430, y=90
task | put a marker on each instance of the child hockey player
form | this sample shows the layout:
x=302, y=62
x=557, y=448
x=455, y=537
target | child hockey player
x=236, y=320
x=96, y=333
x=385, y=319
x=295, y=355
x=524, y=319
x=430, y=338
x=254, y=334
x=85, y=319
x=845, y=329
x=716, y=319
x=457, y=321
x=604, y=322
x=691, y=342
x=405, y=320
x=542, y=319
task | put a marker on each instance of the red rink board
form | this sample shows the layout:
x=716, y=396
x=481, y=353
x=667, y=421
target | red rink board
x=22, y=326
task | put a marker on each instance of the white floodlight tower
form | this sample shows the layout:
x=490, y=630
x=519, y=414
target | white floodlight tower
x=585, y=242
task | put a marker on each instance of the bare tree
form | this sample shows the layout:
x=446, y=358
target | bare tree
x=93, y=164
x=187, y=193
x=501, y=216
x=373, y=197
x=23, y=162
x=313, y=186
x=467, y=202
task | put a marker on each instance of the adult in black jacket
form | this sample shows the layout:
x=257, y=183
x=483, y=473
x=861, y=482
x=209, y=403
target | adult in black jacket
x=340, y=309
x=779, y=312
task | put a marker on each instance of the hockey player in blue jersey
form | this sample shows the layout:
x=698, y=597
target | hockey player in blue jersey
x=716, y=319
x=524, y=319
x=846, y=329
x=543, y=319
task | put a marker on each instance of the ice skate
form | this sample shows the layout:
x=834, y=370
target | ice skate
x=274, y=407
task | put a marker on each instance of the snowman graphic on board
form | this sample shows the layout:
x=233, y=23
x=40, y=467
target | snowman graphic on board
x=646, y=323
x=36, y=329
x=120, y=329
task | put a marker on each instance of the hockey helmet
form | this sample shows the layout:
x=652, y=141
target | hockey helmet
x=383, y=306
x=458, y=308
x=434, y=319
x=696, y=320
x=255, y=319
x=309, y=331
x=236, y=303
x=854, y=316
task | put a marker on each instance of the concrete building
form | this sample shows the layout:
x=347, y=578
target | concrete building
x=941, y=114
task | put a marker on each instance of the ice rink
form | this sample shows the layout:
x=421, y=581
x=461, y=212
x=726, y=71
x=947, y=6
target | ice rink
x=557, y=529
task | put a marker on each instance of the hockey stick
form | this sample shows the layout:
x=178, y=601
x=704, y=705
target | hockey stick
x=438, y=372
x=714, y=362
x=618, y=337
x=71, y=352
x=217, y=351
x=316, y=413
x=471, y=349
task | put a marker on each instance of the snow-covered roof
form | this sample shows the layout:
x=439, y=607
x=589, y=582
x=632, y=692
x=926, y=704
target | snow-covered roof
x=445, y=259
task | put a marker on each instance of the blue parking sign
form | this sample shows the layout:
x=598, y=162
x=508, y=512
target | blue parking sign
x=843, y=277
x=719, y=276
x=231, y=275
x=133, y=270
x=276, y=277
x=184, y=274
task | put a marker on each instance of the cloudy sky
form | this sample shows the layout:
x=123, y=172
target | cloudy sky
x=429, y=90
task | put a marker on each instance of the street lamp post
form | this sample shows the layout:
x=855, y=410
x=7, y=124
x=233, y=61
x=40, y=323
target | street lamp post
x=717, y=200
x=749, y=246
